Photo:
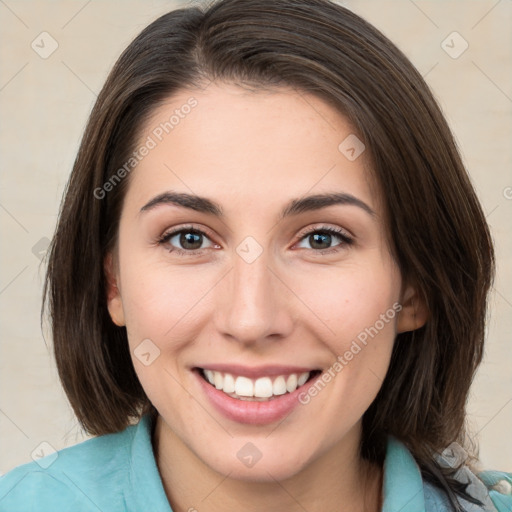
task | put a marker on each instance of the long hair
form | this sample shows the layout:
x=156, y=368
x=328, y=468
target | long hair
x=436, y=227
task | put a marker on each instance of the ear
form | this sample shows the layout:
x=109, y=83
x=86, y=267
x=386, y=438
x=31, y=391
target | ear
x=114, y=302
x=414, y=312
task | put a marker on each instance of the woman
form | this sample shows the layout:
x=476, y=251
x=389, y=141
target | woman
x=313, y=348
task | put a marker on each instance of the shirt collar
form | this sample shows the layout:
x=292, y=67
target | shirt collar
x=146, y=484
x=402, y=481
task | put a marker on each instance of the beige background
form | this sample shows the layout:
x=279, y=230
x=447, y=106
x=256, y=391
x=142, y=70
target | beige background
x=44, y=104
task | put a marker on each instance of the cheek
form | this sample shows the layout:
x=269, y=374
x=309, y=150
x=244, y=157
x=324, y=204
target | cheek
x=161, y=307
x=360, y=308
x=351, y=299
x=161, y=301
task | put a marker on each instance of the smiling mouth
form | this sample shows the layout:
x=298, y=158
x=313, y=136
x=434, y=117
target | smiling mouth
x=262, y=389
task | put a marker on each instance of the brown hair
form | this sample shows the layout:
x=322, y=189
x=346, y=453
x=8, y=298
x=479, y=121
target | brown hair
x=437, y=229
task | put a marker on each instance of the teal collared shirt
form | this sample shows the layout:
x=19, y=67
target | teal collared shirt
x=118, y=473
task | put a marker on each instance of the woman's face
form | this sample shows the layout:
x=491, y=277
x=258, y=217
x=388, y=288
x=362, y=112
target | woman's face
x=259, y=299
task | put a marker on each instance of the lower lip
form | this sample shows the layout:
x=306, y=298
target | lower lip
x=252, y=412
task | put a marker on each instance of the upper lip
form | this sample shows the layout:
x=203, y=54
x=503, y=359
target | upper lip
x=257, y=371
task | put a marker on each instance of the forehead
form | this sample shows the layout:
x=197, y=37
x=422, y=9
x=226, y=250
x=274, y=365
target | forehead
x=249, y=147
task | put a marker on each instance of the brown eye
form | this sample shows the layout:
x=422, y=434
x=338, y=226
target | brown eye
x=320, y=239
x=185, y=241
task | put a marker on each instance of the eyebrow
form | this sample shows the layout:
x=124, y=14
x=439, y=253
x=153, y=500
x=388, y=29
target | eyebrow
x=293, y=207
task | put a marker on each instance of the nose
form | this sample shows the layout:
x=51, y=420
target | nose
x=255, y=305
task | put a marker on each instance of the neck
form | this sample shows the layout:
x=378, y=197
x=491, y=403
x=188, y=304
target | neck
x=331, y=483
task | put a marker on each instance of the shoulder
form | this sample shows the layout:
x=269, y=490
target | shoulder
x=499, y=485
x=406, y=489
x=494, y=497
x=492, y=488
x=78, y=477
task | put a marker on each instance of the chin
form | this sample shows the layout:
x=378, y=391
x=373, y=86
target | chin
x=243, y=460
x=263, y=471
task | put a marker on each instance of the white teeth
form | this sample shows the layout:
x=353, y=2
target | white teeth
x=229, y=383
x=218, y=380
x=261, y=388
x=244, y=386
x=279, y=387
x=302, y=378
x=291, y=383
x=209, y=375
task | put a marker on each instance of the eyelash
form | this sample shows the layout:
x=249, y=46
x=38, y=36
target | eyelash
x=345, y=239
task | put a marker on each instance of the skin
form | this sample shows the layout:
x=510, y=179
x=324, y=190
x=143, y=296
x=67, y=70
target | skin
x=252, y=152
